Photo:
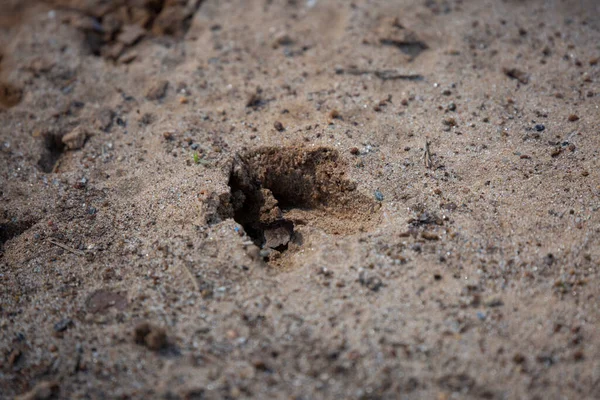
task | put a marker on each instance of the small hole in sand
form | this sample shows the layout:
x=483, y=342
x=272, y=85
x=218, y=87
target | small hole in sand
x=276, y=190
x=51, y=152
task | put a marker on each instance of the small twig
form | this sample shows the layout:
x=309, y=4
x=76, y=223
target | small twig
x=426, y=157
x=385, y=74
x=56, y=166
x=67, y=248
x=191, y=277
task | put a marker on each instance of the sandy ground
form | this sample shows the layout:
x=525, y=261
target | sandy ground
x=292, y=199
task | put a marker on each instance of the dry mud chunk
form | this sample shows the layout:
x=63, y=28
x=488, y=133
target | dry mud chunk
x=174, y=19
x=157, y=90
x=269, y=211
x=279, y=234
x=75, y=139
x=517, y=74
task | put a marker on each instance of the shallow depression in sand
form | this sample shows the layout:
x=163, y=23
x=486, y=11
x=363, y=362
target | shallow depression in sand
x=276, y=190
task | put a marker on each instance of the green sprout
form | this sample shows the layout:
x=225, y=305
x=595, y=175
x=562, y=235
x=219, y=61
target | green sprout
x=199, y=160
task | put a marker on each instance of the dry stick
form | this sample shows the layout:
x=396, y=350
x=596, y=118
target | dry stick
x=384, y=74
x=427, y=155
x=191, y=276
x=67, y=248
x=56, y=166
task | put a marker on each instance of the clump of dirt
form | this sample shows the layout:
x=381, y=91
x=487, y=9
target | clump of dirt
x=112, y=27
x=275, y=189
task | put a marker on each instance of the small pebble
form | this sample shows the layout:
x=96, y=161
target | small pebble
x=152, y=337
x=279, y=126
x=282, y=39
x=354, y=151
x=573, y=118
x=231, y=334
x=539, y=127
x=449, y=122
x=156, y=90
x=378, y=195
x=452, y=107
x=370, y=281
x=429, y=235
x=518, y=358
x=264, y=253
x=62, y=325
x=493, y=301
